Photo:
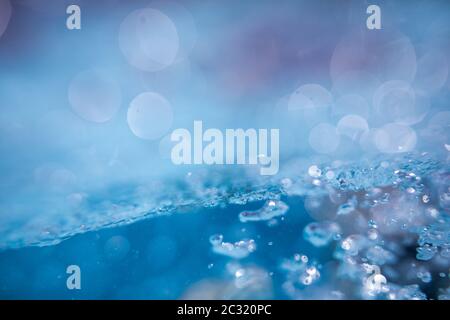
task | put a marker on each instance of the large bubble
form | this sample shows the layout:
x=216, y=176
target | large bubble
x=352, y=126
x=149, y=39
x=149, y=116
x=5, y=15
x=94, y=95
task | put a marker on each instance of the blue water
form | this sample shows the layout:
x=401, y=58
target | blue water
x=360, y=206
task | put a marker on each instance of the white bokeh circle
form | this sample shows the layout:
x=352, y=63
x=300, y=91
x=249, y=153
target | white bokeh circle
x=149, y=116
x=149, y=39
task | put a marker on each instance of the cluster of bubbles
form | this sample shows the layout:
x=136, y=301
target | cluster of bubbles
x=237, y=250
x=383, y=88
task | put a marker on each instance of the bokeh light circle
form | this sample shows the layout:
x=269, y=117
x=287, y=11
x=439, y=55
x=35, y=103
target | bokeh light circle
x=149, y=116
x=94, y=95
x=149, y=39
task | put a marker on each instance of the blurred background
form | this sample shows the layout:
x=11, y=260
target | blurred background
x=85, y=124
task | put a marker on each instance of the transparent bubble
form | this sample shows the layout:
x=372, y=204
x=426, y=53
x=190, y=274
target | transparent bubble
x=5, y=15
x=432, y=72
x=148, y=39
x=149, y=116
x=161, y=252
x=351, y=104
x=348, y=207
x=396, y=101
x=352, y=126
x=324, y=138
x=94, y=95
x=395, y=138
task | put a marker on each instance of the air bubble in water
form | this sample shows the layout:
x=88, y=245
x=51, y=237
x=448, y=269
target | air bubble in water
x=321, y=233
x=426, y=252
x=271, y=209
